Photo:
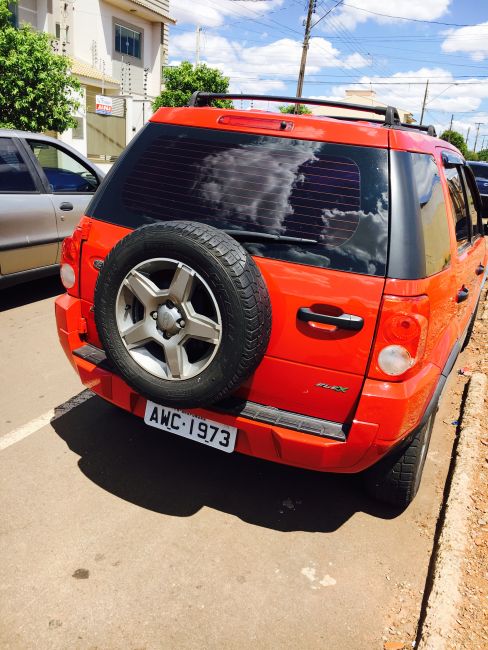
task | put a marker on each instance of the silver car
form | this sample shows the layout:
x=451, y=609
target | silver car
x=45, y=186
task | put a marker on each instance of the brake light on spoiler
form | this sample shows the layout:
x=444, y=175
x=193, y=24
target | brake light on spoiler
x=271, y=124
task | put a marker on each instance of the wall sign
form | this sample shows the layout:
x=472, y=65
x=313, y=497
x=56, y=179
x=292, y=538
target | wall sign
x=103, y=105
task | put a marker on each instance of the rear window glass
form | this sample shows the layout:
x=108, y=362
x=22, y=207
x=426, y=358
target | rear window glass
x=335, y=195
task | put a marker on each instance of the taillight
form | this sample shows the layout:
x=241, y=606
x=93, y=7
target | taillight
x=70, y=261
x=401, y=337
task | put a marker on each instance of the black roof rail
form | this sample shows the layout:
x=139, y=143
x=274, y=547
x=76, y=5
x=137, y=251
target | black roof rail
x=430, y=129
x=392, y=117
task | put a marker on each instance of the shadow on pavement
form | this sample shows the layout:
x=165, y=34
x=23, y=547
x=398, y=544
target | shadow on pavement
x=177, y=477
x=28, y=292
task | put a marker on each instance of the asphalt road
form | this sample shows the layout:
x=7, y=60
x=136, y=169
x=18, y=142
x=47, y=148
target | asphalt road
x=113, y=535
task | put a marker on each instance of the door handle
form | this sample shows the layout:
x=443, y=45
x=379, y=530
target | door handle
x=479, y=269
x=344, y=321
x=66, y=206
x=462, y=294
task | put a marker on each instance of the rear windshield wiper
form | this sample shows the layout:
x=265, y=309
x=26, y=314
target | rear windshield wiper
x=251, y=235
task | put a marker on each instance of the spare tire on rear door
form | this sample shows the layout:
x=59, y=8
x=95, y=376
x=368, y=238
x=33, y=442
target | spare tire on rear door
x=183, y=312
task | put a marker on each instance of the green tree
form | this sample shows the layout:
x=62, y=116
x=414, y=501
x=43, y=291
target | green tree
x=456, y=139
x=483, y=155
x=183, y=80
x=471, y=155
x=299, y=109
x=37, y=91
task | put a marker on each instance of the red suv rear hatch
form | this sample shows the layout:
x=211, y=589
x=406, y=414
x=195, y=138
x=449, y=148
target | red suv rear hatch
x=329, y=204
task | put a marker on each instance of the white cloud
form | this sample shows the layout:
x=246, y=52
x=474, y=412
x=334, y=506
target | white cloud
x=254, y=68
x=349, y=16
x=446, y=96
x=355, y=61
x=472, y=40
x=213, y=13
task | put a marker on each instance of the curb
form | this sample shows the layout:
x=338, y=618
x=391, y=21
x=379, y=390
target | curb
x=441, y=607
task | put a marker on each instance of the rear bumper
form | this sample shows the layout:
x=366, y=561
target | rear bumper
x=385, y=415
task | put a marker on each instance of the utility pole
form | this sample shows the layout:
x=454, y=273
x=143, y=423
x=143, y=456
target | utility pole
x=424, y=102
x=478, y=124
x=467, y=136
x=306, y=39
x=450, y=125
x=197, y=47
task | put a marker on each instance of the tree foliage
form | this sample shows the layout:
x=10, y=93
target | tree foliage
x=471, y=155
x=456, y=139
x=483, y=155
x=183, y=80
x=37, y=91
x=299, y=109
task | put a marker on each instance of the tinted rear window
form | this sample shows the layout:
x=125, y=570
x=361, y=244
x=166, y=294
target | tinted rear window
x=334, y=194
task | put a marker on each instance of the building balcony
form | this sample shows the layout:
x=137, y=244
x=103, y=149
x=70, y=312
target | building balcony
x=156, y=11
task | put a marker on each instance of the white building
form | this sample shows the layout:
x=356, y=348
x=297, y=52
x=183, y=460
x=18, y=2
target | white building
x=364, y=98
x=117, y=48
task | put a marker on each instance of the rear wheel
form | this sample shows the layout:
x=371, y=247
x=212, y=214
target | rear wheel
x=396, y=478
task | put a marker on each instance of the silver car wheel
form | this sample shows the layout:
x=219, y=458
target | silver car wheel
x=168, y=319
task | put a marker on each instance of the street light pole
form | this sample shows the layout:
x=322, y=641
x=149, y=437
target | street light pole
x=478, y=124
x=423, y=103
x=197, y=46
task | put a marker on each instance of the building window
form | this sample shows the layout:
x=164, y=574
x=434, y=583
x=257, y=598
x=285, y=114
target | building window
x=14, y=14
x=127, y=41
x=65, y=36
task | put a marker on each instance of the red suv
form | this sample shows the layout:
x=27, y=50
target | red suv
x=296, y=287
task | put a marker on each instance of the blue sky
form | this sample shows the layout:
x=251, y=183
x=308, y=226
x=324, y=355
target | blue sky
x=359, y=44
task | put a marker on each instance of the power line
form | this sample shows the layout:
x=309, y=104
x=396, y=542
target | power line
x=414, y=20
x=327, y=13
x=354, y=46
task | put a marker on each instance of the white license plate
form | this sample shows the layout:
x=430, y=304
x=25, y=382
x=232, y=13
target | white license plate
x=189, y=426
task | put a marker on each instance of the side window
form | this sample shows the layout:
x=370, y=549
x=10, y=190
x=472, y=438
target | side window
x=458, y=204
x=14, y=174
x=473, y=213
x=433, y=213
x=64, y=173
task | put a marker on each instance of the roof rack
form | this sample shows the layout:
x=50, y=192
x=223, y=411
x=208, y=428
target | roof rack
x=391, y=115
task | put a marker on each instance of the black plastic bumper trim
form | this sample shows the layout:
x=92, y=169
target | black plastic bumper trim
x=243, y=408
x=93, y=355
x=281, y=418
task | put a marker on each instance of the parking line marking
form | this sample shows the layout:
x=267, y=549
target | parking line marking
x=37, y=423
